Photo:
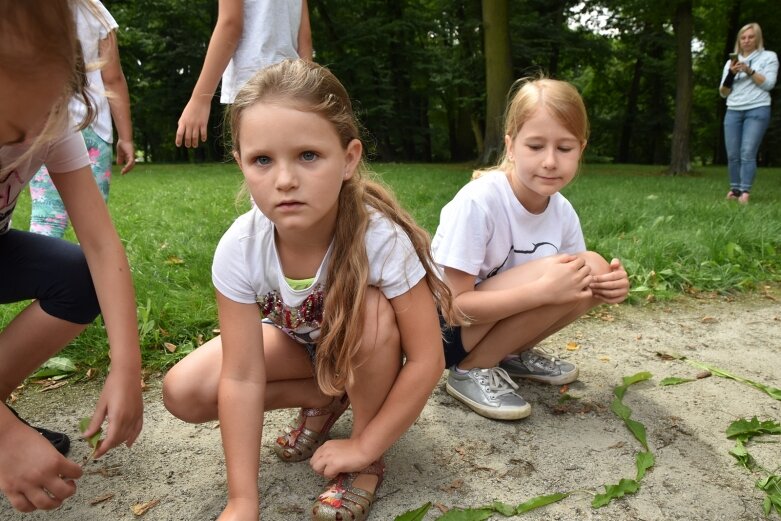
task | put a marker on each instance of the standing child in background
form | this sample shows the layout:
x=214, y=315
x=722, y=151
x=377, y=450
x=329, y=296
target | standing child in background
x=249, y=35
x=40, y=70
x=514, y=256
x=344, y=281
x=107, y=89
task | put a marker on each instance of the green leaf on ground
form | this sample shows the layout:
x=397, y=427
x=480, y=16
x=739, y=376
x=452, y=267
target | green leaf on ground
x=539, y=501
x=674, y=380
x=94, y=440
x=469, y=514
x=643, y=462
x=746, y=429
x=55, y=366
x=740, y=453
x=771, y=485
x=414, y=515
x=623, y=487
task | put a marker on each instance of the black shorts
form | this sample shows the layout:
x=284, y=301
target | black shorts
x=451, y=343
x=52, y=271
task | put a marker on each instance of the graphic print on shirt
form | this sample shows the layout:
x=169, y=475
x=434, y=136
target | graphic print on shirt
x=302, y=322
x=537, y=246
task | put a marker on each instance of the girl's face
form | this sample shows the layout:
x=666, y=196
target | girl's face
x=748, y=41
x=294, y=165
x=545, y=157
x=25, y=105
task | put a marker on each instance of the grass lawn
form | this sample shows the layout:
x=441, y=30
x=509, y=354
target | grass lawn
x=674, y=235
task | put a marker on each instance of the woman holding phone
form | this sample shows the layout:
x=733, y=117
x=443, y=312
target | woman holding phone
x=746, y=81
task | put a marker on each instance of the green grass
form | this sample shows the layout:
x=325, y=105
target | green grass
x=675, y=235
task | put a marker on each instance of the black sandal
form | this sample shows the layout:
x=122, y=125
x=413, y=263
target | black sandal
x=59, y=440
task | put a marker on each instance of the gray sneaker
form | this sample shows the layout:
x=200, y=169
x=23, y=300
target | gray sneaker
x=537, y=365
x=488, y=392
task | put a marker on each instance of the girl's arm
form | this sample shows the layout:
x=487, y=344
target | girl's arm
x=421, y=341
x=240, y=398
x=550, y=280
x=120, y=399
x=118, y=100
x=304, y=46
x=223, y=43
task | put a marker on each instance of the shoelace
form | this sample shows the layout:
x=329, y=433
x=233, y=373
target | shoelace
x=542, y=358
x=499, y=382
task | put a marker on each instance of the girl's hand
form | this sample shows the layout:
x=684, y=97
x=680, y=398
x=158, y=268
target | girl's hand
x=194, y=122
x=240, y=509
x=120, y=403
x=336, y=456
x=566, y=279
x=612, y=287
x=126, y=155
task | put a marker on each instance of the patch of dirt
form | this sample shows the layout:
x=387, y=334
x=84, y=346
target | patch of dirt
x=452, y=457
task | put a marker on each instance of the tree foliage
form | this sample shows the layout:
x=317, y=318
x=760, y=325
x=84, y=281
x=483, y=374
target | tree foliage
x=416, y=70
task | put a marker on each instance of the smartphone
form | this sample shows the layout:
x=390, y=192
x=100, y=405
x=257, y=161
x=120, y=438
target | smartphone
x=733, y=56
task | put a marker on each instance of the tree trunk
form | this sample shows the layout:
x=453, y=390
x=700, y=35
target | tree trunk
x=625, y=140
x=719, y=152
x=683, y=27
x=498, y=74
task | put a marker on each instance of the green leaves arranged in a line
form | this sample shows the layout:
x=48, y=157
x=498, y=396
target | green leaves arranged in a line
x=644, y=460
x=742, y=431
x=484, y=512
x=773, y=392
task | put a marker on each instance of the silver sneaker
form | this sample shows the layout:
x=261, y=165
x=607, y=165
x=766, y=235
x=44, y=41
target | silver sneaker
x=537, y=365
x=488, y=392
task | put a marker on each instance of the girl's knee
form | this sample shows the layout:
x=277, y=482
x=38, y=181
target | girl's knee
x=183, y=396
x=598, y=265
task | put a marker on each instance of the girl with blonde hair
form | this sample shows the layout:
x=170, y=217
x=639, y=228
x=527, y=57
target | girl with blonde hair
x=514, y=256
x=344, y=282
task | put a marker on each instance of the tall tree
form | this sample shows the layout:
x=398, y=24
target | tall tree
x=498, y=74
x=683, y=25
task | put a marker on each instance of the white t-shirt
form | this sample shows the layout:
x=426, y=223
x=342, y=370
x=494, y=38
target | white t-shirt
x=246, y=269
x=91, y=32
x=64, y=154
x=485, y=230
x=270, y=35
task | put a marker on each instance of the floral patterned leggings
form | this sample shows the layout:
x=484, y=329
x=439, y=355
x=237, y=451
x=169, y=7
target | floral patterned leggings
x=48, y=216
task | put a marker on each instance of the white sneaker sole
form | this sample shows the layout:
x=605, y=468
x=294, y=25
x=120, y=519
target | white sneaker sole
x=494, y=413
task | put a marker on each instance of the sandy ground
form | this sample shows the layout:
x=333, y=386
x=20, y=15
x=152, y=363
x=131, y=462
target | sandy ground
x=452, y=457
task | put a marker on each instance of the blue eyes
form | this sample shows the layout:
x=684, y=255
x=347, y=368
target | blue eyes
x=306, y=157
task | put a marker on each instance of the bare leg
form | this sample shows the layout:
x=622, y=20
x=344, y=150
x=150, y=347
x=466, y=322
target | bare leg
x=378, y=365
x=30, y=339
x=190, y=387
x=488, y=344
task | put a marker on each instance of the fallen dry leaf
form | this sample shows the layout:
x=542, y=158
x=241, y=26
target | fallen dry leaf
x=704, y=374
x=140, y=509
x=709, y=320
x=442, y=508
x=639, y=337
x=174, y=260
x=563, y=389
x=460, y=450
x=101, y=499
x=169, y=347
x=453, y=486
x=199, y=340
x=604, y=358
x=51, y=385
x=572, y=346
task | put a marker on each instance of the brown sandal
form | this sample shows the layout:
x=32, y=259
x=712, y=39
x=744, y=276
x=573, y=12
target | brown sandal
x=342, y=501
x=298, y=443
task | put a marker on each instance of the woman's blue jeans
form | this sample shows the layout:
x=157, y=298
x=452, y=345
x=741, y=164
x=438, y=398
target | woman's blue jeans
x=743, y=133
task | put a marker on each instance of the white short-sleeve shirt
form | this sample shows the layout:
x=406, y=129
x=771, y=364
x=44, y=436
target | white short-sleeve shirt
x=485, y=230
x=246, y=269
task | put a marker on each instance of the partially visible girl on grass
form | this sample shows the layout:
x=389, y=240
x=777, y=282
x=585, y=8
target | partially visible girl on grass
x=347, y=290
x=107, y=88
x=40, y=69
x=514, y=255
